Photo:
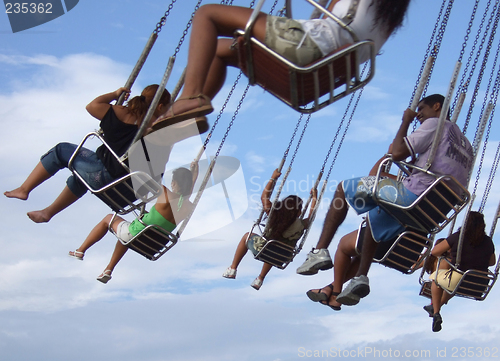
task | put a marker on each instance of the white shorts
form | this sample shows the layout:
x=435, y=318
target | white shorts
x=123, y=232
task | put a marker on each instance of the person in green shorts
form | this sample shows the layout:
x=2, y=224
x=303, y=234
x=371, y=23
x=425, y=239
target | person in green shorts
x=171, y=207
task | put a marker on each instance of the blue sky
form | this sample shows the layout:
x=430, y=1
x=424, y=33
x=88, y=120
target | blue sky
x=179, y=307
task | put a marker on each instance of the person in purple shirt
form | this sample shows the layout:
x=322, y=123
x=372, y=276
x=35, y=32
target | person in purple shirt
x=454, y=157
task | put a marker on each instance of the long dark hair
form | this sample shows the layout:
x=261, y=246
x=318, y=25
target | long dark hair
x=184, y=178
x=474, y=229
x=284, y=213
x=390, y=13
x=139, y=105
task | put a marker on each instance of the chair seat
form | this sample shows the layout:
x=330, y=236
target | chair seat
x=276, y=253
x=300, y=86
x=152, y=242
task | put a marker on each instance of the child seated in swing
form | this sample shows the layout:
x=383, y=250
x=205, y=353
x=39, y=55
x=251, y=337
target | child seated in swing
x=171, y=207
x=284, y=225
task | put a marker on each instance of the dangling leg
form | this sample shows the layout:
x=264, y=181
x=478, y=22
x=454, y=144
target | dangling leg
x=97, y=233
x=210, y=22
x=37, y=176
x=257, y=283
x=65, y=199
x=241, y=250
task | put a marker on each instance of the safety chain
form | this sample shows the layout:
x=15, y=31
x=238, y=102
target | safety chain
x=483, y=66
x=300, y=139
x=461, y=88
x=490, y=180
x=427, y=52
x=232, y=121
x=163, y=19
x=222, y=109
x=494, y=98
x=345, y=131
x=185, y=32
x=293, y=136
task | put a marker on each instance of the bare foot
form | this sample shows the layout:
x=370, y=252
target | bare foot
x=17, y=193
x=39, y=216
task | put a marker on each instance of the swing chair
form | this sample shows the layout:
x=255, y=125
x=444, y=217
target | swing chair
x=476, y=284
x=316, y=83
x=275, y=252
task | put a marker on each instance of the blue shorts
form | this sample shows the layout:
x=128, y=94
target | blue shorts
x=359, y=194
x=86, y=163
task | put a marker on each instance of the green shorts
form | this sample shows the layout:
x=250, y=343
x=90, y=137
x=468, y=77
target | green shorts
x=284, y=36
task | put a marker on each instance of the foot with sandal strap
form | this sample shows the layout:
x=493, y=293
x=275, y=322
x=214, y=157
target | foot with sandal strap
x=185, y=108
x=326, y=296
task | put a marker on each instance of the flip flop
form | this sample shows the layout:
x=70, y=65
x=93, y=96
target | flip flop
x=201, y=110
x=76, y=254
x=105, y=276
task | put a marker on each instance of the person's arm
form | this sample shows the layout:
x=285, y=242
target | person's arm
x=440, y=248
x=195, y=169
x=266, y=193
x=400, y=150
x=312, y=205
x=493, y=260
x=100, y=105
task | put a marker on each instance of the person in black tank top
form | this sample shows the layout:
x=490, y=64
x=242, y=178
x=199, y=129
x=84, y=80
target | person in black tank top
x=119, y=124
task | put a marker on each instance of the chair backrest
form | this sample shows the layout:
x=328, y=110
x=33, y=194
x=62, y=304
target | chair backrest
x=276, y=253
x=437, y=206
x=152, y=242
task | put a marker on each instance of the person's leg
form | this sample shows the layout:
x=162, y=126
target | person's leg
x=266, y=267
x=37, y=176
x=65, y=199
x=437, y=298
x=117, y=255
x=97, y=233
x=210, y=22
x=241, y=250
x=319, y=258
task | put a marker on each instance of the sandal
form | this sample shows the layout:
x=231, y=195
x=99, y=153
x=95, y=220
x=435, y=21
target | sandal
x=204, y=108
x=318, y=296
x=76, y=254
x=105, y=276
x=335, y=308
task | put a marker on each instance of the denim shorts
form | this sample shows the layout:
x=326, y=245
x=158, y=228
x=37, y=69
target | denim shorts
x=358, y=193
x=86, y=163
x=255, y=243
x=284, y=35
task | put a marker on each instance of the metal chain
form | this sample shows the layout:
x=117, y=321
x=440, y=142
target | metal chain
x=293, y=136
x=232, y=121
x=185, y=32
x=163, y=19
x=300, y=139
x=483, y=65
x=490, y=180
x=427, y=52
x=461, y=88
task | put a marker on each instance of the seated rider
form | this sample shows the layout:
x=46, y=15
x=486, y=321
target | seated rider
x=453, y=157
x=284, y=225
x=478, y=252
x=171, y=207
x=300, y=41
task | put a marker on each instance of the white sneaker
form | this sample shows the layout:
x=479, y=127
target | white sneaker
x=229, y=273
x=354, y=291
x=257, y=283
x=317, y=259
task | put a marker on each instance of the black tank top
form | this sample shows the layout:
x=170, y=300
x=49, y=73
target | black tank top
x=118, y=135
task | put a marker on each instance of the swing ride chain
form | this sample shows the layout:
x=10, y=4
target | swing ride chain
x=232, y=121
x=300, y=139
x=293, y=136
x=494, y=98
x=483, y=65
x=490, y=180
x=347, y=125
x=338, y=131
x=163, y=20
x=230, y=94
x=427, y=52
x=185, y=32
x=461, y=88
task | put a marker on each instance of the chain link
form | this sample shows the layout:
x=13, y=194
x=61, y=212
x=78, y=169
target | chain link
x=163, y=19
x=483, y=67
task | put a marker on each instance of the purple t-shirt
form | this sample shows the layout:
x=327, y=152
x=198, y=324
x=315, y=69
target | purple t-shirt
x=454, y=154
